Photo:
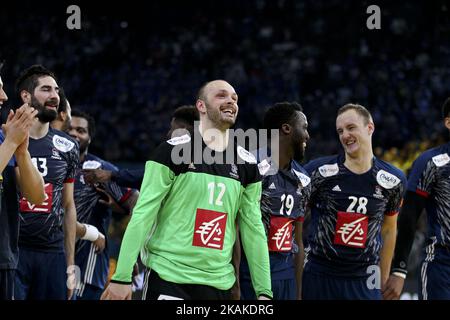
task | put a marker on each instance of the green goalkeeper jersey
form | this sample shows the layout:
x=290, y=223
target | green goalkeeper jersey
x=184, y=222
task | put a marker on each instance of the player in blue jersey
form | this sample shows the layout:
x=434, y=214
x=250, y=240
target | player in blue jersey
x=62, y=121
x=354, y=204
x=47, y=231
x=92, y=210
x=15, y=162
x=428, y=188
x=285, y=191
x=182, y=118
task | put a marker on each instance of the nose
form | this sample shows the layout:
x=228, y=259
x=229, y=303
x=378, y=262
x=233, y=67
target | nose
x=54, y=95
x=306, y=136
x=73, y=133
x=3, y=96
x=345, y=135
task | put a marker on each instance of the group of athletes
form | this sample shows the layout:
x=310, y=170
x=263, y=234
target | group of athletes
x=206, y=229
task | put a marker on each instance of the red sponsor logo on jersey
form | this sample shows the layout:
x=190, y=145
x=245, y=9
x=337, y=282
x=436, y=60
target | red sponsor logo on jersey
x=351, y=229
x=44, y=207
x=280, y=234
x=209, y=229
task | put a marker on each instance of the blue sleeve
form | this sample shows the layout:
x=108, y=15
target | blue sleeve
x=119, y=193
x=129, y=178
x=421, y=177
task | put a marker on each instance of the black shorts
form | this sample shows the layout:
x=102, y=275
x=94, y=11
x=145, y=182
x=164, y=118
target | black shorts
x=7, y=284
x=156, y=288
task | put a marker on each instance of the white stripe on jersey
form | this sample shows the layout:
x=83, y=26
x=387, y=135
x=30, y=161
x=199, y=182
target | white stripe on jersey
x=145, y=286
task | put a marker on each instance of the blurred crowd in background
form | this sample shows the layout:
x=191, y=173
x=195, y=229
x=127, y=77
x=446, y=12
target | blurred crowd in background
x=132, y=64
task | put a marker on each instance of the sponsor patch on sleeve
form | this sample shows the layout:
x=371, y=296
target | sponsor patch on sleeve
x=179, y=140
x=304, y=179
x=246, y=155
x=441, y=159
x=263, y=167
x=62, y=144
x=387, y=180
x=91, y=164
x=328, y=170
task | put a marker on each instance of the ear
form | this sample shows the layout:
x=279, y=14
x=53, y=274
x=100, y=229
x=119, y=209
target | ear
x=201, y=106
x=371, y=127
x=286, y=129
x=25, y=96
x=447, y=122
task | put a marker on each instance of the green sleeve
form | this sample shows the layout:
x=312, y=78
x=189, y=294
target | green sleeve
x=254, y=239
x=157, y=181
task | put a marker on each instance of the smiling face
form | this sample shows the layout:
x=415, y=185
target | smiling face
x=219, y=104
x=300, y=136
x=79, y=130
x=355, y=133
x=45, y=99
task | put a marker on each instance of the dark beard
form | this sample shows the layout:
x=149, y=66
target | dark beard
x=83, y=147
x=44, y=115
x=298, y=154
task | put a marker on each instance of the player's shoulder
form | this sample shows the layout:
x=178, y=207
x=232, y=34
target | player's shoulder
x=301, y=173
x=440, y=156
x=244, y=156
x=388, y=175
x=327, y=166
x=2, y=137
x=62, y=141
x=175, y=141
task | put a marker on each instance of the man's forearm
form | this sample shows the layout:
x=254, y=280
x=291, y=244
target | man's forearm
x=70, y=221
x=30, y=180
x=6, y=153
x=387, y=251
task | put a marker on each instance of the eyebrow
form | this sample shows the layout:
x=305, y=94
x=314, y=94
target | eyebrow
x=49, y=87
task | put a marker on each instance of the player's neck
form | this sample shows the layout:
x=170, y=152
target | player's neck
x=83, y=156
x=39, y=130
x=216, y=139
x=285, y=156
x=360, y=163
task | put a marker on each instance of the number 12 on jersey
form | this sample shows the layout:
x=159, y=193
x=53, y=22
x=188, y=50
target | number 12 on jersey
x=212, y=187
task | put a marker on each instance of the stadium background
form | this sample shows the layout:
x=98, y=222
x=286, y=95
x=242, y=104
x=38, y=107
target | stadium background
x=132, y=64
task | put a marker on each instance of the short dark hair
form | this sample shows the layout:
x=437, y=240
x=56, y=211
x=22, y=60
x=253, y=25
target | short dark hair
x=201, y=91
x=362, y=111
x=281, y=113
x=63, y=103
x=89, y=119
x=28, y=79
x=446, y=108
x=187, y=114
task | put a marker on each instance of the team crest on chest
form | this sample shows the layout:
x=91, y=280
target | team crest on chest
x=55, y=154
x=234, y=171
x=378, y=192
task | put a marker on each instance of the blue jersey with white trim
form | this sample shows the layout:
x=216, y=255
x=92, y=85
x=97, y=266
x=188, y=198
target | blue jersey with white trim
x=56, y=156
x=283, y=202
x=430, y=178
x=94, y=267
x=347, y=212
